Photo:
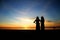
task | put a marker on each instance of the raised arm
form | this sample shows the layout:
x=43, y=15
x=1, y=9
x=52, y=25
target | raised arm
x=34, y=21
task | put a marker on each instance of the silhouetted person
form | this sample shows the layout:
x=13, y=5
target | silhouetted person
x=42, y=23
x=37, y=23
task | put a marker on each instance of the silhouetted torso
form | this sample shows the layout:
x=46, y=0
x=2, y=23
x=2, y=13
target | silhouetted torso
x=42, y=23
x=37, y=23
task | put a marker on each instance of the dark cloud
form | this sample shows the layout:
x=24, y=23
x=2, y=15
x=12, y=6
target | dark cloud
x=49, y=21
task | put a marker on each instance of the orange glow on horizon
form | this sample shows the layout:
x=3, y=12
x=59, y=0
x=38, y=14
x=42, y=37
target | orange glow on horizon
x=26, y=24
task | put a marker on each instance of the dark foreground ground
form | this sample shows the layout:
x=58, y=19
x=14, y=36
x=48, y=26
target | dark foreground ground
x=4, y=30
x=41, y=34
x=29, y=33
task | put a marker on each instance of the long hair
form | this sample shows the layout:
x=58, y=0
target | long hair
x=42, y=18
x=37, y=18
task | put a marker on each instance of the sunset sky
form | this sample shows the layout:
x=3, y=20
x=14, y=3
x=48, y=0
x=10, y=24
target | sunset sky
x=22, y=13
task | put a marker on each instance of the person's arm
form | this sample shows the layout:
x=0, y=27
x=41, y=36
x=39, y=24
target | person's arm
x=44, y=20
x=34, y=21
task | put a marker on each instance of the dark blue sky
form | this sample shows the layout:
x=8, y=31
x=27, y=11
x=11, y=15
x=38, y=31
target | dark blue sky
x=10, y=9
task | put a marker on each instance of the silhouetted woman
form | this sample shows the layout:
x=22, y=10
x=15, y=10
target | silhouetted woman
x=37, y=23
x=42, y=23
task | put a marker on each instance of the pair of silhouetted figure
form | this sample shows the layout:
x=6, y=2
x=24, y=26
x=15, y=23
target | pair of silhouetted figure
x=38, y=21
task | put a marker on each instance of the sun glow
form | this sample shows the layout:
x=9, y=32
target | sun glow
x=26, y=22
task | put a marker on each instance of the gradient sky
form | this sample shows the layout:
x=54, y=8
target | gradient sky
x=22, y=13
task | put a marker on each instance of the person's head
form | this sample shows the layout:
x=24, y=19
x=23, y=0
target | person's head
x=37, y=17
x=42, y=17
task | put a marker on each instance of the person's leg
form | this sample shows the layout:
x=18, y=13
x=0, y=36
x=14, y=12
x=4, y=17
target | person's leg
x=42, y=26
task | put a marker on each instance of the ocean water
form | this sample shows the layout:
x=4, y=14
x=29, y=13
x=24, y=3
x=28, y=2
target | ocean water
x=28, y=28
